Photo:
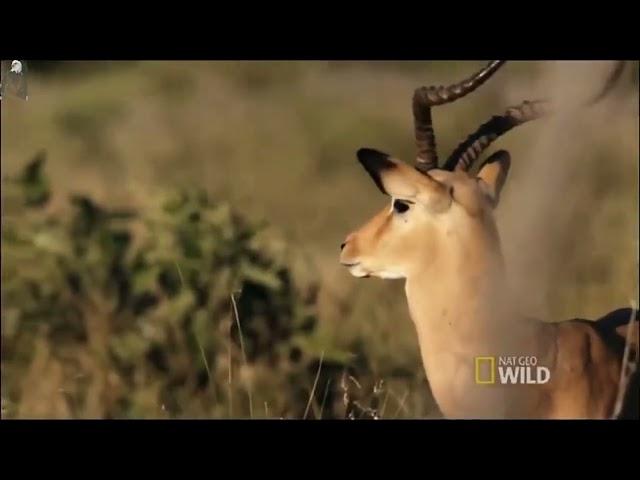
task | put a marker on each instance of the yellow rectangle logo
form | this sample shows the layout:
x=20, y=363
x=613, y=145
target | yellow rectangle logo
x=492, y=370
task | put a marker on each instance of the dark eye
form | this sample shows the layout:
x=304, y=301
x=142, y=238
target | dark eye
x=400, y=206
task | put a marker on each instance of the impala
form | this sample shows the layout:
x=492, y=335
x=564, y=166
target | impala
x=439, y=234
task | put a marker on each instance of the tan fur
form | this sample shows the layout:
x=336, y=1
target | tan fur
x=447, y=248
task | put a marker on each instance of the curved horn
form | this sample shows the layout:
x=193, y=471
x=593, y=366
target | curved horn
x=468, y=151
x=463, y=157
x=426, y=97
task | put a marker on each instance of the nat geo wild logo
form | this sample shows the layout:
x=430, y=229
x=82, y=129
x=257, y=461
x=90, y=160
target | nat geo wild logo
x=510, y=370
x=13, y=80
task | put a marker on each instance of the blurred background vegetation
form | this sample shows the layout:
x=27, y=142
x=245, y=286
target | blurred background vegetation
x=170, y=232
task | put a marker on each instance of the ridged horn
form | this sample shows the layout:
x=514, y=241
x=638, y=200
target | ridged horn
x=426, y=97
x=467, y=152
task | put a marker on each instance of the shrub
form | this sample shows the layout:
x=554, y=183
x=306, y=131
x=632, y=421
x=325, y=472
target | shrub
x=183, y=310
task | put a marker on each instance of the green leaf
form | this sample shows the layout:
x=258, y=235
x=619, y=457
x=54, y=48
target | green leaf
x=315, y=346
x=202, y=329
x=180, y=305
x=51, y=242
x=145, y=280
x=260, y=276
x=129, y=347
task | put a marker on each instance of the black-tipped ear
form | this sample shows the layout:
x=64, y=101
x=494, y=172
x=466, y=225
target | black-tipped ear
x=375, y=162
x=494, y=173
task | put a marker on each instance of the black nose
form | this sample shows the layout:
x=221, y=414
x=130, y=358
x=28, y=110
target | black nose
x=342, y=246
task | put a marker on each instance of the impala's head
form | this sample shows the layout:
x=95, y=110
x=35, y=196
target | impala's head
x=427, y=213
x=431, y=209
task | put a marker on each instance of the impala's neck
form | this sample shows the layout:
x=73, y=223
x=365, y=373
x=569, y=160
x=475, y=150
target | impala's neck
x=461, y=308
x=461, y=289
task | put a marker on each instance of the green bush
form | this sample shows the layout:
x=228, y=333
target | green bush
x=186, y=310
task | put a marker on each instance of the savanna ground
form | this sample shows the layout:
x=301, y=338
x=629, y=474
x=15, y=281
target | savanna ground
x=141, y=314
